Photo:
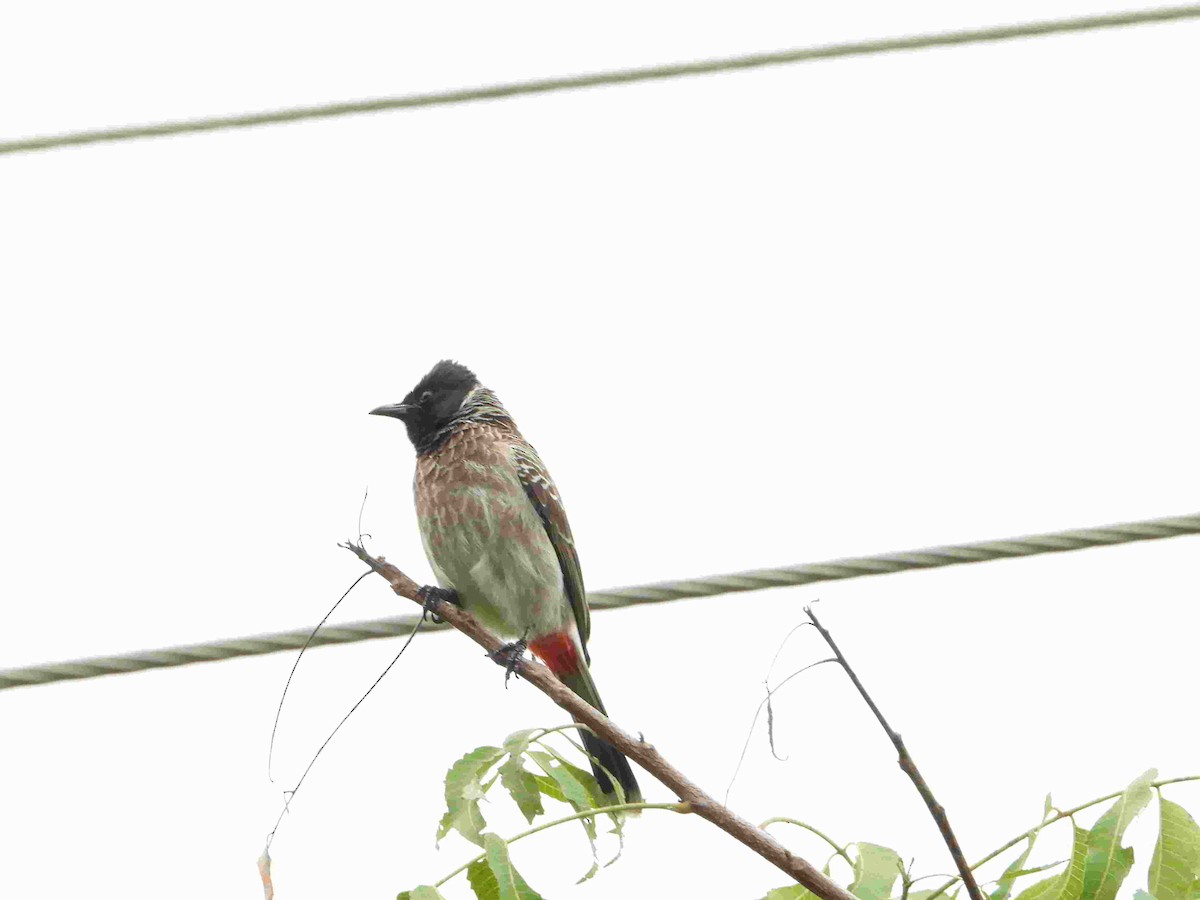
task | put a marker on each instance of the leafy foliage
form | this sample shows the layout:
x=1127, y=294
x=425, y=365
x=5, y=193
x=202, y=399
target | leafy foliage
x=464, y=789
x=530, y=770
x=1097, y=867
x=424, y=892
x=876, y=870
x=1017, y=867
x=1175, y=866
x=792, y=892
x=1068, y=884
x=535, y=773
x=1108, y=863
x=509, y=883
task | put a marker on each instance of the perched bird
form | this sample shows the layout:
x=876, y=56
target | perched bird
x=496, y=533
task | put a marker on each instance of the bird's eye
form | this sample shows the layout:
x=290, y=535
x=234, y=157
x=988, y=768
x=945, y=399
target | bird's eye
x=426, y=397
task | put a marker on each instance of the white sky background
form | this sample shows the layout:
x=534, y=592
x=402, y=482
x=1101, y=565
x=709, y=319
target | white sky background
x=771, y=317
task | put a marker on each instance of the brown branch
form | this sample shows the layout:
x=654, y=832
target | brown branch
x=643, y=753
x=909, y=767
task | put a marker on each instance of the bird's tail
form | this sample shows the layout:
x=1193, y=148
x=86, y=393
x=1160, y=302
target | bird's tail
x=607, y=761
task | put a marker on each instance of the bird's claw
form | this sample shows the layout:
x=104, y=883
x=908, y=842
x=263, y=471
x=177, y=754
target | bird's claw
x=430, y=596
x=509, y=655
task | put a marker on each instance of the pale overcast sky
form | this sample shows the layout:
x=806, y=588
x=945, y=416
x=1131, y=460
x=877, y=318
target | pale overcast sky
x=752, y=319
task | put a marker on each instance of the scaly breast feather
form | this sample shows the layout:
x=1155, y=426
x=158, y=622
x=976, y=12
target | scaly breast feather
x=483, y=536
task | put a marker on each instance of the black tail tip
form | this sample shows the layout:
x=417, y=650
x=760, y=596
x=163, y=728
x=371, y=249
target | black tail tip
x=609, y=763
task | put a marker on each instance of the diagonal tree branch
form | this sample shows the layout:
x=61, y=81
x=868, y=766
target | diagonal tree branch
x=641, y=752
x=910, y=768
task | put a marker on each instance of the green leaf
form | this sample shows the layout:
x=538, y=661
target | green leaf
x=579, y=789
x=618, y=830
x=598, y=798
x=582, y=789
x=1107, y=861
x=588, y=875
x=509, y=883
x=1014, y=871
x=562, y=769
x=1041, y=890
x=483, y=880
x=424, y=892
x=876, y=869
x=574, y=789
x=1066, y=885
x=595, y=797
x=549, y=787
x=791, y=892
x=1176, y=854
x=518, y=742
x=1017, y=868
x=523, y=786
x=464, y=788
x=1032, y=870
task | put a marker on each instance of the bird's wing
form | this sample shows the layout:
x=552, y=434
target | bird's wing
x=544, y=496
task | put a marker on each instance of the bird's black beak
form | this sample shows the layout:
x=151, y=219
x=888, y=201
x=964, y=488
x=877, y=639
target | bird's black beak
x=395, y=410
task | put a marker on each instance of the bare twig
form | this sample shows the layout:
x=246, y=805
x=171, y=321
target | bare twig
x=910, y=768
x=644, y=754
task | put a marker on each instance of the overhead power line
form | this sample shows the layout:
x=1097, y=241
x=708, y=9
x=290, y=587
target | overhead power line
x=755, y=580
x=611, y=77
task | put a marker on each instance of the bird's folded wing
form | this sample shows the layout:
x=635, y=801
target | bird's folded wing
x=544, y=496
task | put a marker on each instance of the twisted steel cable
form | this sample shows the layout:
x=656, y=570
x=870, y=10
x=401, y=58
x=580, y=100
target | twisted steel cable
x=186, y=654
x=613, y=77
x=931, y=558
x=755, y=580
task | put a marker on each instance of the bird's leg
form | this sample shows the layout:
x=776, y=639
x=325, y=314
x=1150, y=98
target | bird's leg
x=509, y=655
x=430, y=595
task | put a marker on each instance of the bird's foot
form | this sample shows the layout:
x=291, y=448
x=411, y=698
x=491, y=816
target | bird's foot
x=509, y=655
x=430, y=596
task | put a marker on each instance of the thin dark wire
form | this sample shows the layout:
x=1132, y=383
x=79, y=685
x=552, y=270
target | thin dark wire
x=767, y=685
x=292, y=793
x=771, y=729
x=782, y=644
x=758, y=712
x=361, y=535
x=288, y=683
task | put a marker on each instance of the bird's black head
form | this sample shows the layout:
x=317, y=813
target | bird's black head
x=433, y=403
